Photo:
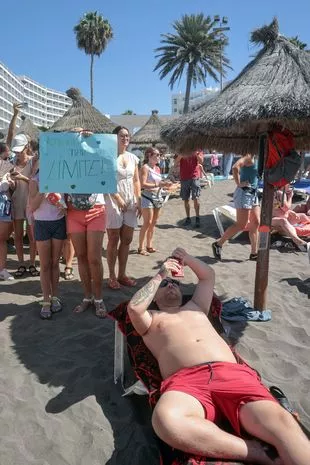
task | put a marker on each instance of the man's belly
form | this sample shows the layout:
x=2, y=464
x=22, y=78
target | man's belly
x=172, y=358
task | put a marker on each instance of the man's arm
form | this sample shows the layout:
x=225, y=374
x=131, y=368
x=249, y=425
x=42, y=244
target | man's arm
x=137, y=308
x=12, y=126
x=203, y=294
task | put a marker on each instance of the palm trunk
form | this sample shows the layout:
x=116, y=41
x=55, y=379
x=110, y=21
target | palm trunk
x=188, y=88
x=91, y=79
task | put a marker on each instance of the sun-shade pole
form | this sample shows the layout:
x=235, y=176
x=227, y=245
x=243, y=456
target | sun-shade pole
x=262, y=265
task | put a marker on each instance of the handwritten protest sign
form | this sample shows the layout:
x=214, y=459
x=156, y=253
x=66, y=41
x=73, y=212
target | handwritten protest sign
x=73, y=163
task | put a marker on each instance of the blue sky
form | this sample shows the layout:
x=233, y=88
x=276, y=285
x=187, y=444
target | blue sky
x=38, y=40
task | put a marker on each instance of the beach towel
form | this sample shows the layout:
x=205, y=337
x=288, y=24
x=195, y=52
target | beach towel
x=240, y=309
x=146, y=370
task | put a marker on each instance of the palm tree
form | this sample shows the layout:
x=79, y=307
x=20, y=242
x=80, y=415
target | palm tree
x=93, y=33
x=295, y=40
x=196, y=48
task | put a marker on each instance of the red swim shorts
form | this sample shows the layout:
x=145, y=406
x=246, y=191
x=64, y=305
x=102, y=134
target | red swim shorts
x=221, y=388
x=79, y=221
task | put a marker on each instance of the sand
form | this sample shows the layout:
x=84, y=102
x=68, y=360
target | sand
x=58, y=402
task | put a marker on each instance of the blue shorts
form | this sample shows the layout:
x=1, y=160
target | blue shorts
x=190, y=188
x=246, y=199
x=47, y=230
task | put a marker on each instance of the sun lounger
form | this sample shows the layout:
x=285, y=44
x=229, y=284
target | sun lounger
x=229, y=212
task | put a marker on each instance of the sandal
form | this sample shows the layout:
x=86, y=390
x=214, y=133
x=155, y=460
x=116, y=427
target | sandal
x=83, y=305
x=21, y=270
x=125, y=281
x=33, y=271
x=100, y=308
x=114, y=284
x=151, y=250
x=45, y=312
x=253, y=257
x=143, y=252
x=56, y=305
x=69, y=275
x=278, y=394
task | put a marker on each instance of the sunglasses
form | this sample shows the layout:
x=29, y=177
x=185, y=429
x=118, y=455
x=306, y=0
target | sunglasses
x=165, y=282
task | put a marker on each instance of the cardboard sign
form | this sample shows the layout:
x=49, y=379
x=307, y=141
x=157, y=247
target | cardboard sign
x=73, y=163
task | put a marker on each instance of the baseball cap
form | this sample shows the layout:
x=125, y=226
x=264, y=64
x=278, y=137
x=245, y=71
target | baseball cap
x=19, y=143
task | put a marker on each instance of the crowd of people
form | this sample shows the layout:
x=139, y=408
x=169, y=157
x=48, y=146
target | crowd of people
x=61, y=225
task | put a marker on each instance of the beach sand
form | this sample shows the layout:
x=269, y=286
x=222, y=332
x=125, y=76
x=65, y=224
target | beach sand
x=58, y=402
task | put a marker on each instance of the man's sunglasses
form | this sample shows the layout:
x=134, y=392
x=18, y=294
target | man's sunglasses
x=165, y=282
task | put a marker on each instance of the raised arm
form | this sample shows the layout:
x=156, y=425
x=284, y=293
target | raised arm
x=203, y=294
x=137, y=308
x=12, y=126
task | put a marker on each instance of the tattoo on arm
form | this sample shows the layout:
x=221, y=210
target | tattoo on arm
x=145, y=295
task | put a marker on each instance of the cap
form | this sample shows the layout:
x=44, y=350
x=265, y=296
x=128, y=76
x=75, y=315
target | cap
x=19, y=143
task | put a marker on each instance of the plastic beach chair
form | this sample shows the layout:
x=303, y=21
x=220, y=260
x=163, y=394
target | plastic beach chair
x=229, y=212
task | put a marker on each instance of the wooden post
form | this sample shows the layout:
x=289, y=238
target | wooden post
x=262, y=265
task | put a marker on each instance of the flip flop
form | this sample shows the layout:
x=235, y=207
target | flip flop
x=278, y=394
x=126, y=281
x=21, y=270
x=114, y=284
x=143, y=252
x=33, y=271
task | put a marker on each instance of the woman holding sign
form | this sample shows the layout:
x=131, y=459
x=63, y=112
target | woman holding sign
x=122, y=209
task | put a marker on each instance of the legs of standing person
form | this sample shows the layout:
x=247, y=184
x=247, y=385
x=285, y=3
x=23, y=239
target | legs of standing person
x=56, y=253
x=68, y=253
x=254, y=220
x=147, y=216
x=185, y=196
x=243, y=216
x=79, y=241
x=269, y=422
x=45, y=256
x=112, y=252
x=5, y=232
x=94, y=255
x=187, y=208
x=19, y=246
x=195, y=191
x=126, y=235
x=151, y=229
x=179, y=420
x=32, y=250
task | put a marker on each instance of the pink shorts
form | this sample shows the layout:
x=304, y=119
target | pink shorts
x=221, y=388
x=79, y=221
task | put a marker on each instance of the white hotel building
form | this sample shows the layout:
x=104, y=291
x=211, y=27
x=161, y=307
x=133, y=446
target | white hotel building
x=45, y=106
x=195, y=101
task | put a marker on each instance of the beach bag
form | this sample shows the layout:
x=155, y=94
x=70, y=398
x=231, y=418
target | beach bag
x=283, y=161
x=157, y=201
x=5, y=207
x=82, y=201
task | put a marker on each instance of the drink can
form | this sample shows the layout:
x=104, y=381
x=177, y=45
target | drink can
x=180, y=273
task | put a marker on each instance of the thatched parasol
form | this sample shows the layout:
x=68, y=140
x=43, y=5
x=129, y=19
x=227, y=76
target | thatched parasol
x=27, y=127
x=82, y=115
x=273, y=88
x=149, y=134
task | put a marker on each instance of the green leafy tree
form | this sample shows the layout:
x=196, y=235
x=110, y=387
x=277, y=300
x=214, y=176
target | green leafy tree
x=295, y=40
x=93, y=33
x=196, y=48
x=128, y=112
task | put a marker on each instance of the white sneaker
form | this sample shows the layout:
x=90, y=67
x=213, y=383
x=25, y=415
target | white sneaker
x=5, y=275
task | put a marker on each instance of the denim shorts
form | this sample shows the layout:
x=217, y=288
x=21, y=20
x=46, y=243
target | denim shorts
x=190, y=187
x=245, y=198
x=47, y=230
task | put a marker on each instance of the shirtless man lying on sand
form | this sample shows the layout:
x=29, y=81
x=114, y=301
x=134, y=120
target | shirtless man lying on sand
x=202, y=380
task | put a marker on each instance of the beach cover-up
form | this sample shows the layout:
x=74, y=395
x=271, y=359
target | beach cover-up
x=240, y=309
x=146, y=370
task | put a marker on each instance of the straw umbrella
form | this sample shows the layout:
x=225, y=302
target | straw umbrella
x=149, y=134
x=273, y=89
x=82, y=115
x=27, y=127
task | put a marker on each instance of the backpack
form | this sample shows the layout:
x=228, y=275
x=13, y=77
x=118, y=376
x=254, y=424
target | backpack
x=82, y=201
x=283, y=162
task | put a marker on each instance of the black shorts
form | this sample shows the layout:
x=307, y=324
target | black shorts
x=46, y=230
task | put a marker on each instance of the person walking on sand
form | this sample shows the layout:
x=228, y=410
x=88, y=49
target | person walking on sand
x=246, y=203
x=151, y=184
x=190, y=184
x=122, y=209
x=202, y=381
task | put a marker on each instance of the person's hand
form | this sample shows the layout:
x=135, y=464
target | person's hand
x=121, y=204
x=20, y=177
x=17, y=107
x=138, y=209
x=244, y=184
x=180, y=254
x=171, y=264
